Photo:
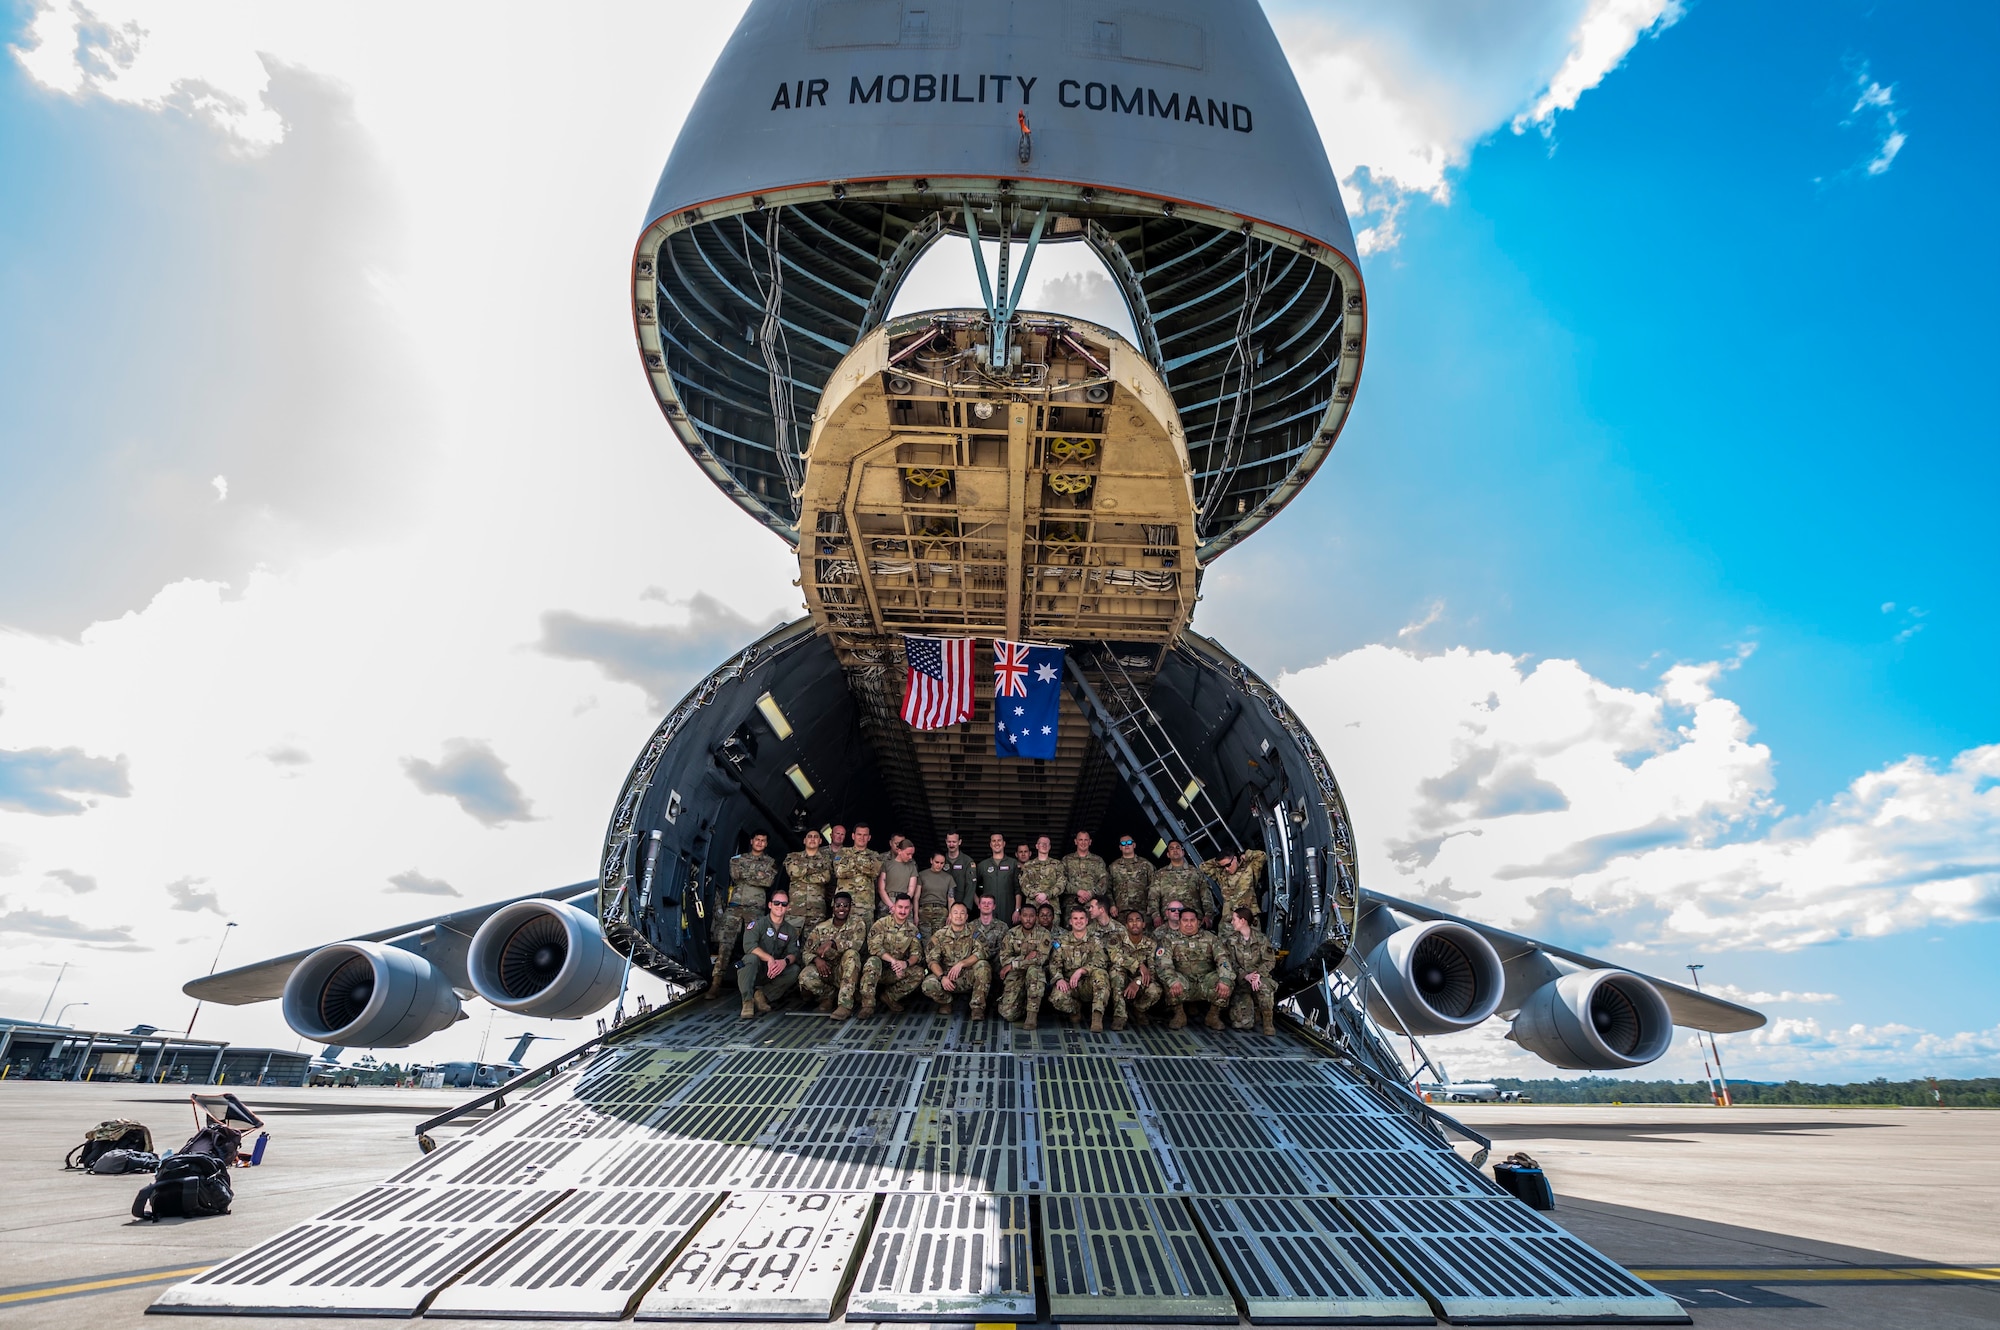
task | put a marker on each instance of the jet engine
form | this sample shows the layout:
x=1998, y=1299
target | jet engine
x=1595, y=1020
x=543, y=958
x=367, y=995
x=1434, y=978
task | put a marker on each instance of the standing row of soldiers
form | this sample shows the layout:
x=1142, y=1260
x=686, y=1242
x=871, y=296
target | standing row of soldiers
x=929, y=939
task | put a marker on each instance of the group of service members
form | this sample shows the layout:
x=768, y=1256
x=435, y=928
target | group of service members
x=853, y=928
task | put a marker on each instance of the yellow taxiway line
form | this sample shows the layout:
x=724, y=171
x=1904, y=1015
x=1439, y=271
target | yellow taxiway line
x=96, y=1285
x=1826, y=1274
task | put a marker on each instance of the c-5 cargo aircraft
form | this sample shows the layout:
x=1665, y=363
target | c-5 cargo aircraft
x=1002, y=474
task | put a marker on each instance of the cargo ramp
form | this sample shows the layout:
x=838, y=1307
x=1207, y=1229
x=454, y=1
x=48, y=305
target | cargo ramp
x=696, y=1167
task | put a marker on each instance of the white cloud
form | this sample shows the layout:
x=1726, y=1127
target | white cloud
x=1878, y=103
x=1403, y=93
x=80, y=883
x=473, y=775
x=164, y=63
x=1759, y=998
x=1415, y=626
x=1790, y=1043
x=188, y=894
x=412, y=883
x=1599, y=44
x=1610, y=817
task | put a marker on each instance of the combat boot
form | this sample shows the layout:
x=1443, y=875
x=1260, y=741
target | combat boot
x=867, y=1007
x=715, y=987
x=825, y=1004
x=889, y=1005
x=749, y=1010
x=1029, y=1024
x=1267, y=1027
x=1097, y=1022
x=978, y=1011
x=1179, y=1022
x=944, y=1008
x=759, y=1002
x=1117, y=1023
x=1214, y=1018
x=842, y=1013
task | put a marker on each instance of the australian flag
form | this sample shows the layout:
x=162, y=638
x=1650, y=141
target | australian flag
x=1027, y=694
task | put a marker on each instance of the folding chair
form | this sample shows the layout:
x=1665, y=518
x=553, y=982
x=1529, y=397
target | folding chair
x=229, y=1111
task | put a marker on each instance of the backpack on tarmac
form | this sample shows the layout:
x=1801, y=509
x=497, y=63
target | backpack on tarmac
x=113, y=1134
x=218, y=1142
x=188, y=1187
x=125, y=1161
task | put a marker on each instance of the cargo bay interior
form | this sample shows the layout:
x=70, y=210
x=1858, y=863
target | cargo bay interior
x=988, y=473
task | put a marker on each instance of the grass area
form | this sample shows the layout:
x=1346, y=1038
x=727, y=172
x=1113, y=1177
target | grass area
x=1981, y=1093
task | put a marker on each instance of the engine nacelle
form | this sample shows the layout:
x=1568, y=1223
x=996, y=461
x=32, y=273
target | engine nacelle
x=1434, y=978
x=543, y=958
x=1595, y=1020
x=366, y=995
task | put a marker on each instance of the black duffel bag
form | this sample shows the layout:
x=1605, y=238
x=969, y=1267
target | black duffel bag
x=188, y=1187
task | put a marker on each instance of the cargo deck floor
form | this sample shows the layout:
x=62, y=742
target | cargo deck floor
x=929, y=1169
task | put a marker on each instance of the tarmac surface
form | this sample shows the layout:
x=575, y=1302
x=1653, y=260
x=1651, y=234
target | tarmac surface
x=1758, y=1217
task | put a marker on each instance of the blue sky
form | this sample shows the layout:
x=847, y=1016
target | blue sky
x=1666, y=383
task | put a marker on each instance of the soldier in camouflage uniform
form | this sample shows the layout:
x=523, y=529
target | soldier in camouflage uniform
x=1182, y=881
x=1024, y=962
x=1194, y=968
x=833, y=953
x=957, y=965
x=1102, y=926
x=750, y=876
x=1134, y=990
x=1131, y=880
x=1042, y=877
x=992, y=931
x=1081, y=974
x=1170, y=927
x=857, y=869
x=1084, y=876
x=1236, y=875
x=895, y=960
x=1253, y=958
x=808, y=876
x=935, y=894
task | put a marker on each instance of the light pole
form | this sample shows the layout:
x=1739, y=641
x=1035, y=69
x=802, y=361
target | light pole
x=211, y=969
x=65, y=1010
x=52, y=992
x=1721, y=1077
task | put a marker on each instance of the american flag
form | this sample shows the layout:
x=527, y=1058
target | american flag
x=939, y=690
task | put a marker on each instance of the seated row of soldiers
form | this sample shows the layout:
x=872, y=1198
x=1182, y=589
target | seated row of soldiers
x=1027, y=879
x=1092, y=966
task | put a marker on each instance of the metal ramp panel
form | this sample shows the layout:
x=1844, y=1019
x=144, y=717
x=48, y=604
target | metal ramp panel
x=947, y=1258
x=1129, y=1258
x=1302, y=1261
x=588, y=1258
x=779, y=1256
x=1495, y=1260
x=383, y=1253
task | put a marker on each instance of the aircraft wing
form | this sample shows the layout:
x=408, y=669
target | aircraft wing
x=1695, y=1010
x=264, y=981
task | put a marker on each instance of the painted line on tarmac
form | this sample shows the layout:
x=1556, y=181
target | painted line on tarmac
x=1835, y=1274
x=20, y=1293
